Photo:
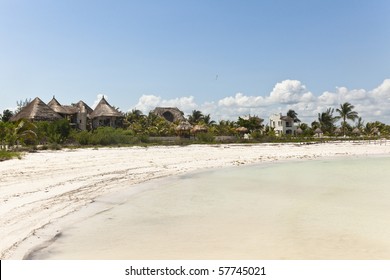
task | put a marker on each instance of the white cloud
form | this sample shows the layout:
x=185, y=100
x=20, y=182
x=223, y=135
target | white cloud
x=146, y=103
x=289, y=94
x=240, y=100
x=382, y=91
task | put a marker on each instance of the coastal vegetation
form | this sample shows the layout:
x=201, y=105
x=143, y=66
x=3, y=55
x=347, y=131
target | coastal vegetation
x=151, y=129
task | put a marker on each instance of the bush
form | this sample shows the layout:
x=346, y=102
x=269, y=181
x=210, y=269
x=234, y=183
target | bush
x=205, y=137
x=105, y=136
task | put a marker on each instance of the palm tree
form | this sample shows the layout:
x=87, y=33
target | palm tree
x=22, y=132
x=346, y=113
x=207, y=120
x=195, y=117
x=360, y=123
x=326, y=120
x=292, y=114
x=134, y=115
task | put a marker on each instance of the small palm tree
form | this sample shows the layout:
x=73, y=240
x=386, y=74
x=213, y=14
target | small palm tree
x=23, y=132
x=346, y=113
x=326, y=120
x=360, y=124
x=195, y=117
x=292, y=114
x=207, y=120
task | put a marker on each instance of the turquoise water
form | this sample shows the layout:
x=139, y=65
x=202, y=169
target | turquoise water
x=325, y=209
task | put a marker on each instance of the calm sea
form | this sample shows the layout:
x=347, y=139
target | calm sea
x=321, y=209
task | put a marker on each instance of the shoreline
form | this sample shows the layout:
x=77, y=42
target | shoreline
x=39, y=192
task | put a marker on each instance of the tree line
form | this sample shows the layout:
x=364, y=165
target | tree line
x=141, y=128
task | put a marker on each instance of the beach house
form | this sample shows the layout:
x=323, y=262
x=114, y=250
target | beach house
x=282, y=125
x=79, y=114
x=106, y=115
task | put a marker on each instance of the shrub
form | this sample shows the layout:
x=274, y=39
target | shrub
x=205, y=137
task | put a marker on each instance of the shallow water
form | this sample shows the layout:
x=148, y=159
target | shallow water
x=328, y=209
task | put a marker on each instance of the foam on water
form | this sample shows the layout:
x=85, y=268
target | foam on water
x=332, y=209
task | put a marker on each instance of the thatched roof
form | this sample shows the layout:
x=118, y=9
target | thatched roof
x=82, y=104
x=62, y=109
x=184, y=126
x=356, y=131
x=103, y=109
x=199, y=128
x=171, y=114
x=242, y=129
x=337, y=131
x=37, y=110
x=299, y=130
x=318, y=131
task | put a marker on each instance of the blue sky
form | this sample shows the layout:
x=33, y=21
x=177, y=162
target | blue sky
x=226, y=58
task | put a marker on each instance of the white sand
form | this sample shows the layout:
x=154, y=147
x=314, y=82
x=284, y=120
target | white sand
x=44, y=188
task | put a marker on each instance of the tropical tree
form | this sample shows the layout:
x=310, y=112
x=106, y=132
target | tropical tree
x=252, y=123
x=225, y=127
x=207, y=120
x=326, y=120
x=292, y=114
x=134, y=115
x=346, y=113
x=306, y=130
x=360, y=124
x=195, y=117
x=21, y=133
x=7, y=115
x=376, y=128
x=269, y=131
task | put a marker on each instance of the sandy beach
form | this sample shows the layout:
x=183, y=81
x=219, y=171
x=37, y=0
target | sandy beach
x=44, y=188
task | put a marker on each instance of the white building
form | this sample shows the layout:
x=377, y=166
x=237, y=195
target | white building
x=282, y=125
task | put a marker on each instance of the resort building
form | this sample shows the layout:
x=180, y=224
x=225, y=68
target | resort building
x=171, y=114
x=36, y=110
x=106, y=115
x=282, y=125
x=79, y=115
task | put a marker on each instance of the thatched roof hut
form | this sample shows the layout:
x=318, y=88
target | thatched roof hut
x=183, y=126
x=37, y=110
x=299, y=131
x=199, y=128
x=356, y=131
x=241, y=129
x=103, y=109
x=337, y=131
x=319, y=132
x=106, y=115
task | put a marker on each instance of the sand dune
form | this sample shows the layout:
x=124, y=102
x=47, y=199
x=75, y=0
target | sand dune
x=47, y=186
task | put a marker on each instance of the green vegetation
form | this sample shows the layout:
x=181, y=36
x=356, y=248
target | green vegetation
x=140, y=129
x=5, y=155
